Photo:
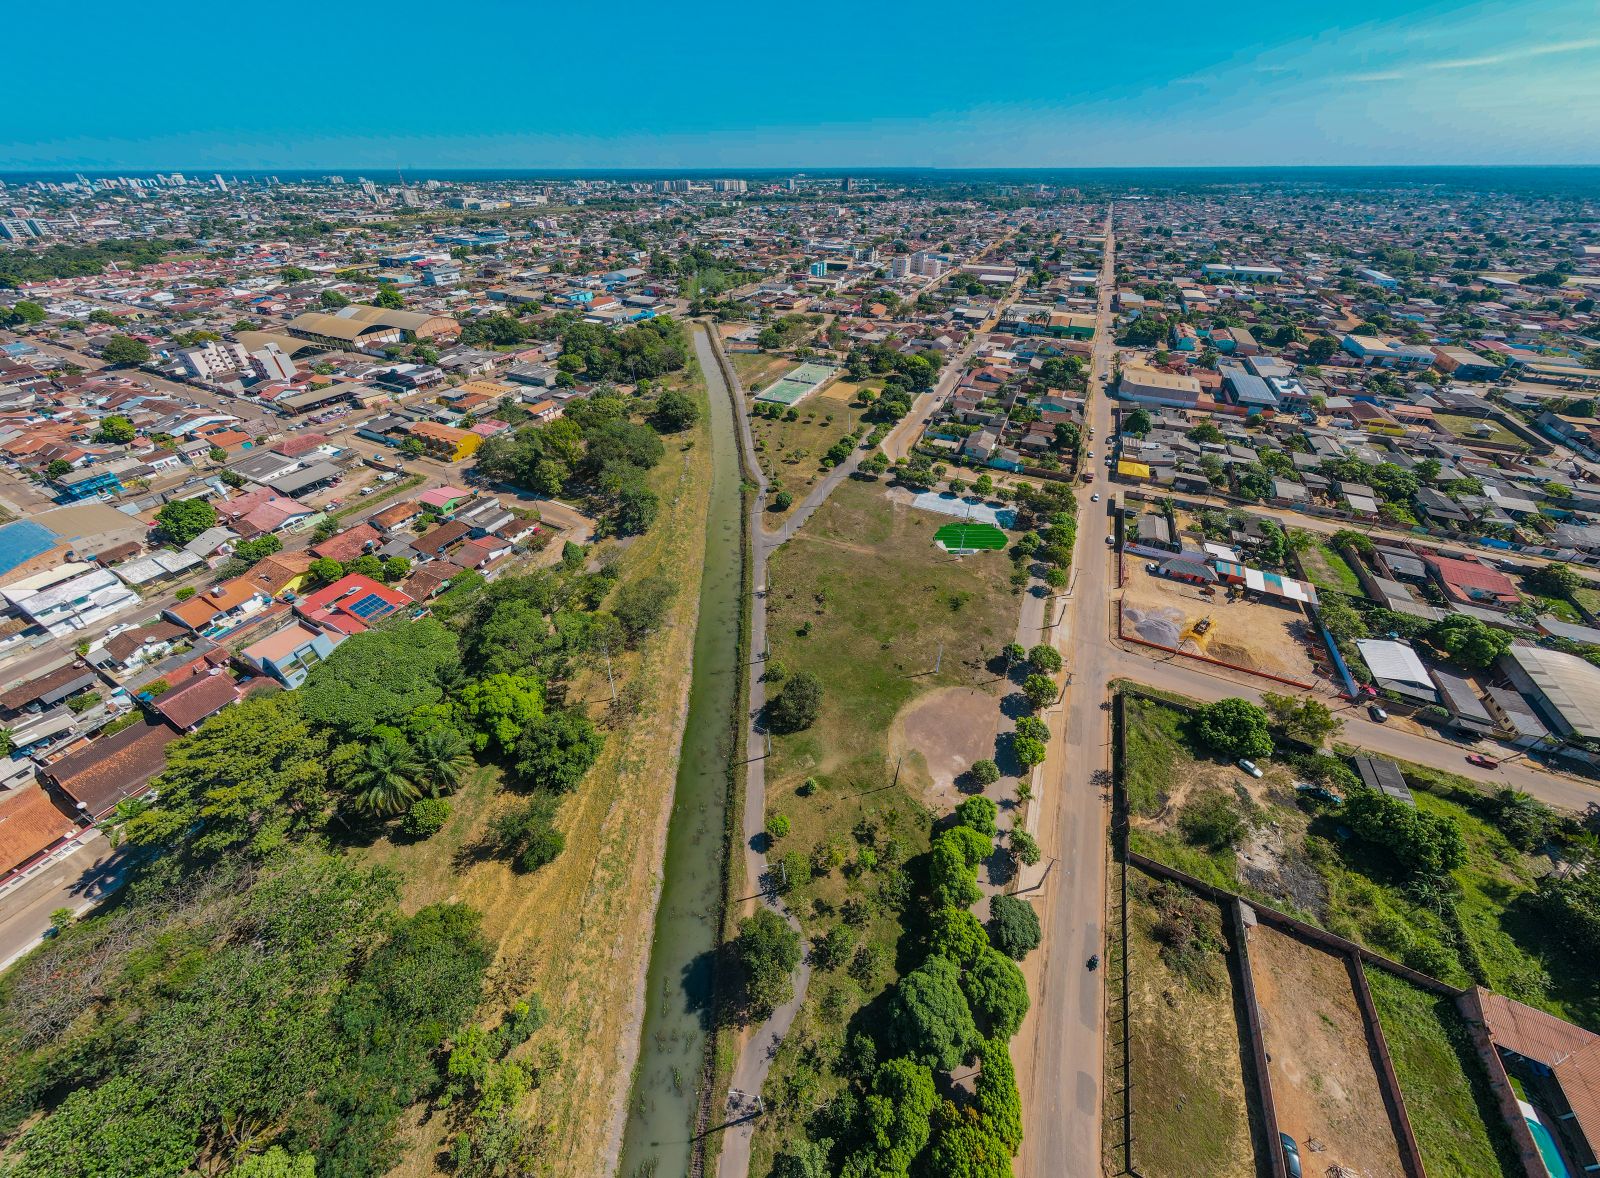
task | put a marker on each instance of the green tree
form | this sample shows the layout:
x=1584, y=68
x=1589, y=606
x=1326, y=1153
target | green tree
x=1039, y=690
x=1013, y=925
x=896, y=1118
x=381, y=677
x=123, y=350
x=57, y=468
x=425, y=817
x=641, y=606
x=332, y=300
x=389, y=298
x=978, y=813
x=1570, y=903
x=675, y=412
x=767, y=951
x=276, y=1163
x=1302, y=717
x=252, y=776
x=797, y=704
x=323, y=571
x=116, y=429
x=1137, y=423
x=295, y=274
x=251, y=552
x=929, y=1019
x=1555, y=580
x=1044, y=657
x=1425, y=844
x=27, y=313
x=1468, y=641
x=1029, y=752
x=500, y=709
x=996, y=993
x=985, y=772
x=1233, y=728
x=556, y=753
x=181, y=520
x=442, y=758
x=527, y=836
x=118, y=1127
x=384, y=780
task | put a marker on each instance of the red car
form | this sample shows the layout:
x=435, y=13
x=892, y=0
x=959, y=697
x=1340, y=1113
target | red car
x=1482, y=761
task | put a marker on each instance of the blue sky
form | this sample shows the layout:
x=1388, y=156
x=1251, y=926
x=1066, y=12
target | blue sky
x=181, y=84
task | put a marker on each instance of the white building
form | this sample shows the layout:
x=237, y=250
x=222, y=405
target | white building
x=71, y=597
x=214, y=359
x=272, y=363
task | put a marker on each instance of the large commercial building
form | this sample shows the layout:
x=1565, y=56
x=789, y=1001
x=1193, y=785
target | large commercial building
x=1563, y=688
x=1151, y=386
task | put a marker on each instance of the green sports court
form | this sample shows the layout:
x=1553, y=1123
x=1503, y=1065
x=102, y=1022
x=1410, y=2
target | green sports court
x=798, y=383
x=970, y=538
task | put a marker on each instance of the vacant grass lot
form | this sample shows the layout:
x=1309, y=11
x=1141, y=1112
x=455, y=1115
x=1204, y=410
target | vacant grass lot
x=1294, y=859
x=1190, y=1105
x=759, y=368
x=1328, y=570
x=1471, y=428
x=791, y=452
x=862, y=599
x=1447, y=1096
x=578, y=931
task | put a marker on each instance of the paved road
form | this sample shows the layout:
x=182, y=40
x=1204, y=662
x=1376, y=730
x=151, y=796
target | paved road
x=1059, y=1048
x=1059, y=1051
x=79, y=879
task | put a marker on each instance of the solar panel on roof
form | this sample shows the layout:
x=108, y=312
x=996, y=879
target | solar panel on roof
x=370, y=606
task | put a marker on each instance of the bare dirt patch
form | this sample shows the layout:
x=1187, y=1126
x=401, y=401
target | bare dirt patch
x=1323, y=1083
x=1250, y=634
x=950, y=728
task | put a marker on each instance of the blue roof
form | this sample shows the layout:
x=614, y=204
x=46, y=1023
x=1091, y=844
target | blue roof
x=22, y=541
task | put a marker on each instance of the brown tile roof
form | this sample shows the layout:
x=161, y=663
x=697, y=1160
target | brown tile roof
x=124, y=644
x=103, y=772
x=30, y=821
x=391, y=517
x=195, y=699
x=273, y=574
x=442, y=537
x=25, y=693
x=348, y=544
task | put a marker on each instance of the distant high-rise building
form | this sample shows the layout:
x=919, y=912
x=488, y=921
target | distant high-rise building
x=216, y=178
x=729, y=185
x=335, y=179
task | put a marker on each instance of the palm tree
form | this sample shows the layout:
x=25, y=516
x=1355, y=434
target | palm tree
x=385, y=777
x=442, y=758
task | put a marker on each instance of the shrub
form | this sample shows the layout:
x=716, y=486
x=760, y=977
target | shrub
x=777, y=825
x=1211, y=818
x=767, y=950
x=426, y=817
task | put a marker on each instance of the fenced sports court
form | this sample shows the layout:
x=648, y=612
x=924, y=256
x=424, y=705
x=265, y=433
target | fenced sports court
x=965, y=538
x=798, y=383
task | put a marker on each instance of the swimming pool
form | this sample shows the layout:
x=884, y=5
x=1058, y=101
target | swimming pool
x=1542, y=1137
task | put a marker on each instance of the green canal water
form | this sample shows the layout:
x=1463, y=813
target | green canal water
x=657, y=1141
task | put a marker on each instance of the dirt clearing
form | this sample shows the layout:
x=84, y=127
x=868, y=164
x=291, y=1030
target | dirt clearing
x=1323, y=1082
x=1249, y=634
x=947, y=730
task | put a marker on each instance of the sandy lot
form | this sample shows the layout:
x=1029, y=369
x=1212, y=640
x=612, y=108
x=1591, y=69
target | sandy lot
x=1249, y=634
x=946, y=731
x=1323, y=1081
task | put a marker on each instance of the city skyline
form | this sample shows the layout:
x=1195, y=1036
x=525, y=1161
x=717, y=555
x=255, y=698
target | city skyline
x=1508, y=82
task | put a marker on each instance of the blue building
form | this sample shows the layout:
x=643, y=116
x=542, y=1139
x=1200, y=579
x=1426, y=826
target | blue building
x=97, y=482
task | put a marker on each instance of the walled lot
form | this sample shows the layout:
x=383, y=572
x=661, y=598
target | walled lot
x=1324, y=1085
x=1250, y=634
x=1190, y=1104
